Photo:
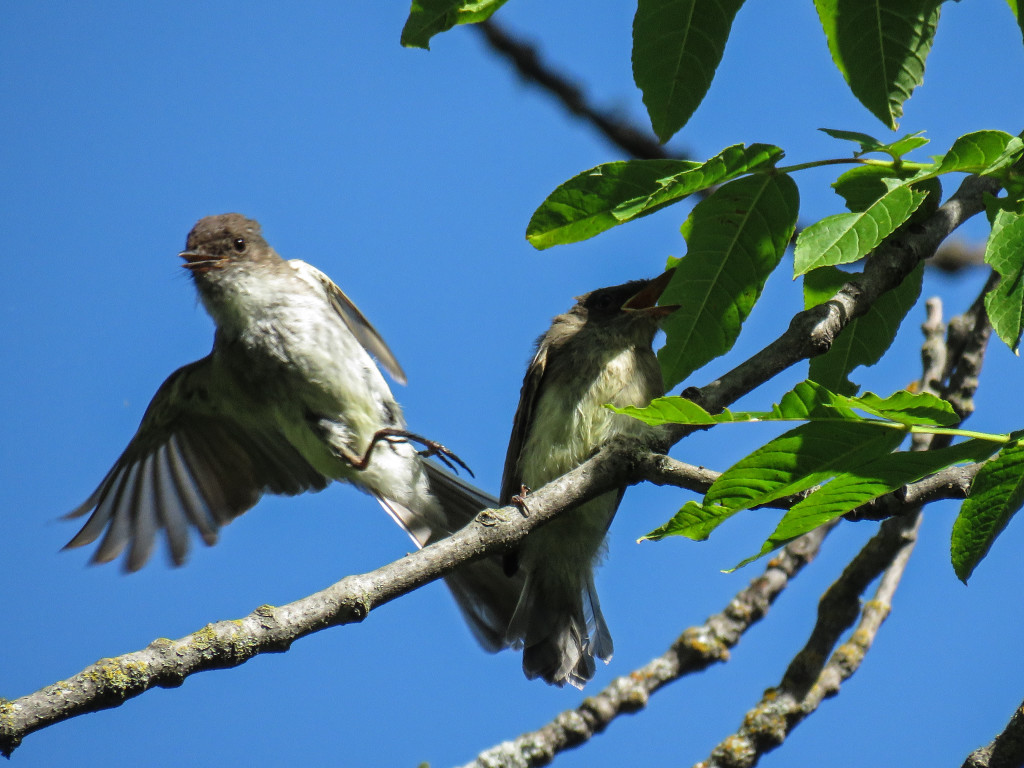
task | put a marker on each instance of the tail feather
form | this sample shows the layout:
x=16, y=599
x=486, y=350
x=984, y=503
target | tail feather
x=561, y=630
x=485, y=595
x=599, y=639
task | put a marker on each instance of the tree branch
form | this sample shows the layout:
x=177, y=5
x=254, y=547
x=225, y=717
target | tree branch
x=166, y=663
x=524, y=57
x=695, y=650
x=1004, y=751
x=809, y=680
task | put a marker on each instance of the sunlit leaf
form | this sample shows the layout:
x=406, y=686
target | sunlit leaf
x=1005, y=254
x=735, y=238
x=848, y=491
x=903, y=407
x=800, y=459
x=694, y=521
x=584, y=205
x=611, y=194
x=996, y=495
x=880, y=48
x=982, y=152
x=727, y=164
x=869, y=481
x=431, y=17
x=895, y=149
x=847, y=237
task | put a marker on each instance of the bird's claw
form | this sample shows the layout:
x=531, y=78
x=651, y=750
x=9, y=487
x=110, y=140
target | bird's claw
x=430, y=448
x=519, y=500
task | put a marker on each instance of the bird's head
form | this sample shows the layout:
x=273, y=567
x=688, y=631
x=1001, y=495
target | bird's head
x=218, y=242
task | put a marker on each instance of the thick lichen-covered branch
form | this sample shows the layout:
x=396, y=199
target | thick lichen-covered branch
x=268, y=629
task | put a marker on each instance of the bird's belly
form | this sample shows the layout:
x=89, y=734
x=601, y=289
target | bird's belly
x=574, y=540
x=564, y=435
x=321, y=388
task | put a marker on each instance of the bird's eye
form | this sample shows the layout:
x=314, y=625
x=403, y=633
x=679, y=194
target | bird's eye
x=239, y=244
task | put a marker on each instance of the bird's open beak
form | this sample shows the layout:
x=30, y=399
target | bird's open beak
x=198, y=263
x=646, y=299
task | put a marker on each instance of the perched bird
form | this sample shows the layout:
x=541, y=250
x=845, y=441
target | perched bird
x=598, y=352
x=288, y=400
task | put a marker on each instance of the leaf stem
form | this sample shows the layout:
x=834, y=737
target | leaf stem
x=915, y=429
x=853, y=161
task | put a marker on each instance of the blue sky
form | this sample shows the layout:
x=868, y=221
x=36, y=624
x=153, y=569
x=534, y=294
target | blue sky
x=409, y=177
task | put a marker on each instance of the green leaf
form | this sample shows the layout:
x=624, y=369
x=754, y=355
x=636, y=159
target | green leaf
x=1009, y=158
x=864, y=339
x=850, y=490
x=807, y=401
x=996, y=495
x=907, y=144
x=431, y=17
x=869, y=481
x=583, y=206
x=880, y=48
x=1017, y=14
x=694, y=521
x=909, y=408
x=800, y=459
x=677, y=45
x=847, y=237
x=864, y=185
x=727, y=164
x=679, y=410
x=982, y=152
x=735, y=238
x=867, y=143
x=1005, y=254
x=611, y=194
x=896, y=149
x=808, y=454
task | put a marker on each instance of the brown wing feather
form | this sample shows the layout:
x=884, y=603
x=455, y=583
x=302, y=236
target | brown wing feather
x=191, y=464
x=511, y=478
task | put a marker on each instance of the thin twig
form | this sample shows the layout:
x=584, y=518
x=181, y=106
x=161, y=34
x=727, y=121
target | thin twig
x=525, y=57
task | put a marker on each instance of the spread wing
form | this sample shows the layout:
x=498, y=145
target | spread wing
x=511, y=478
x=201, y=457
x=354, y=319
